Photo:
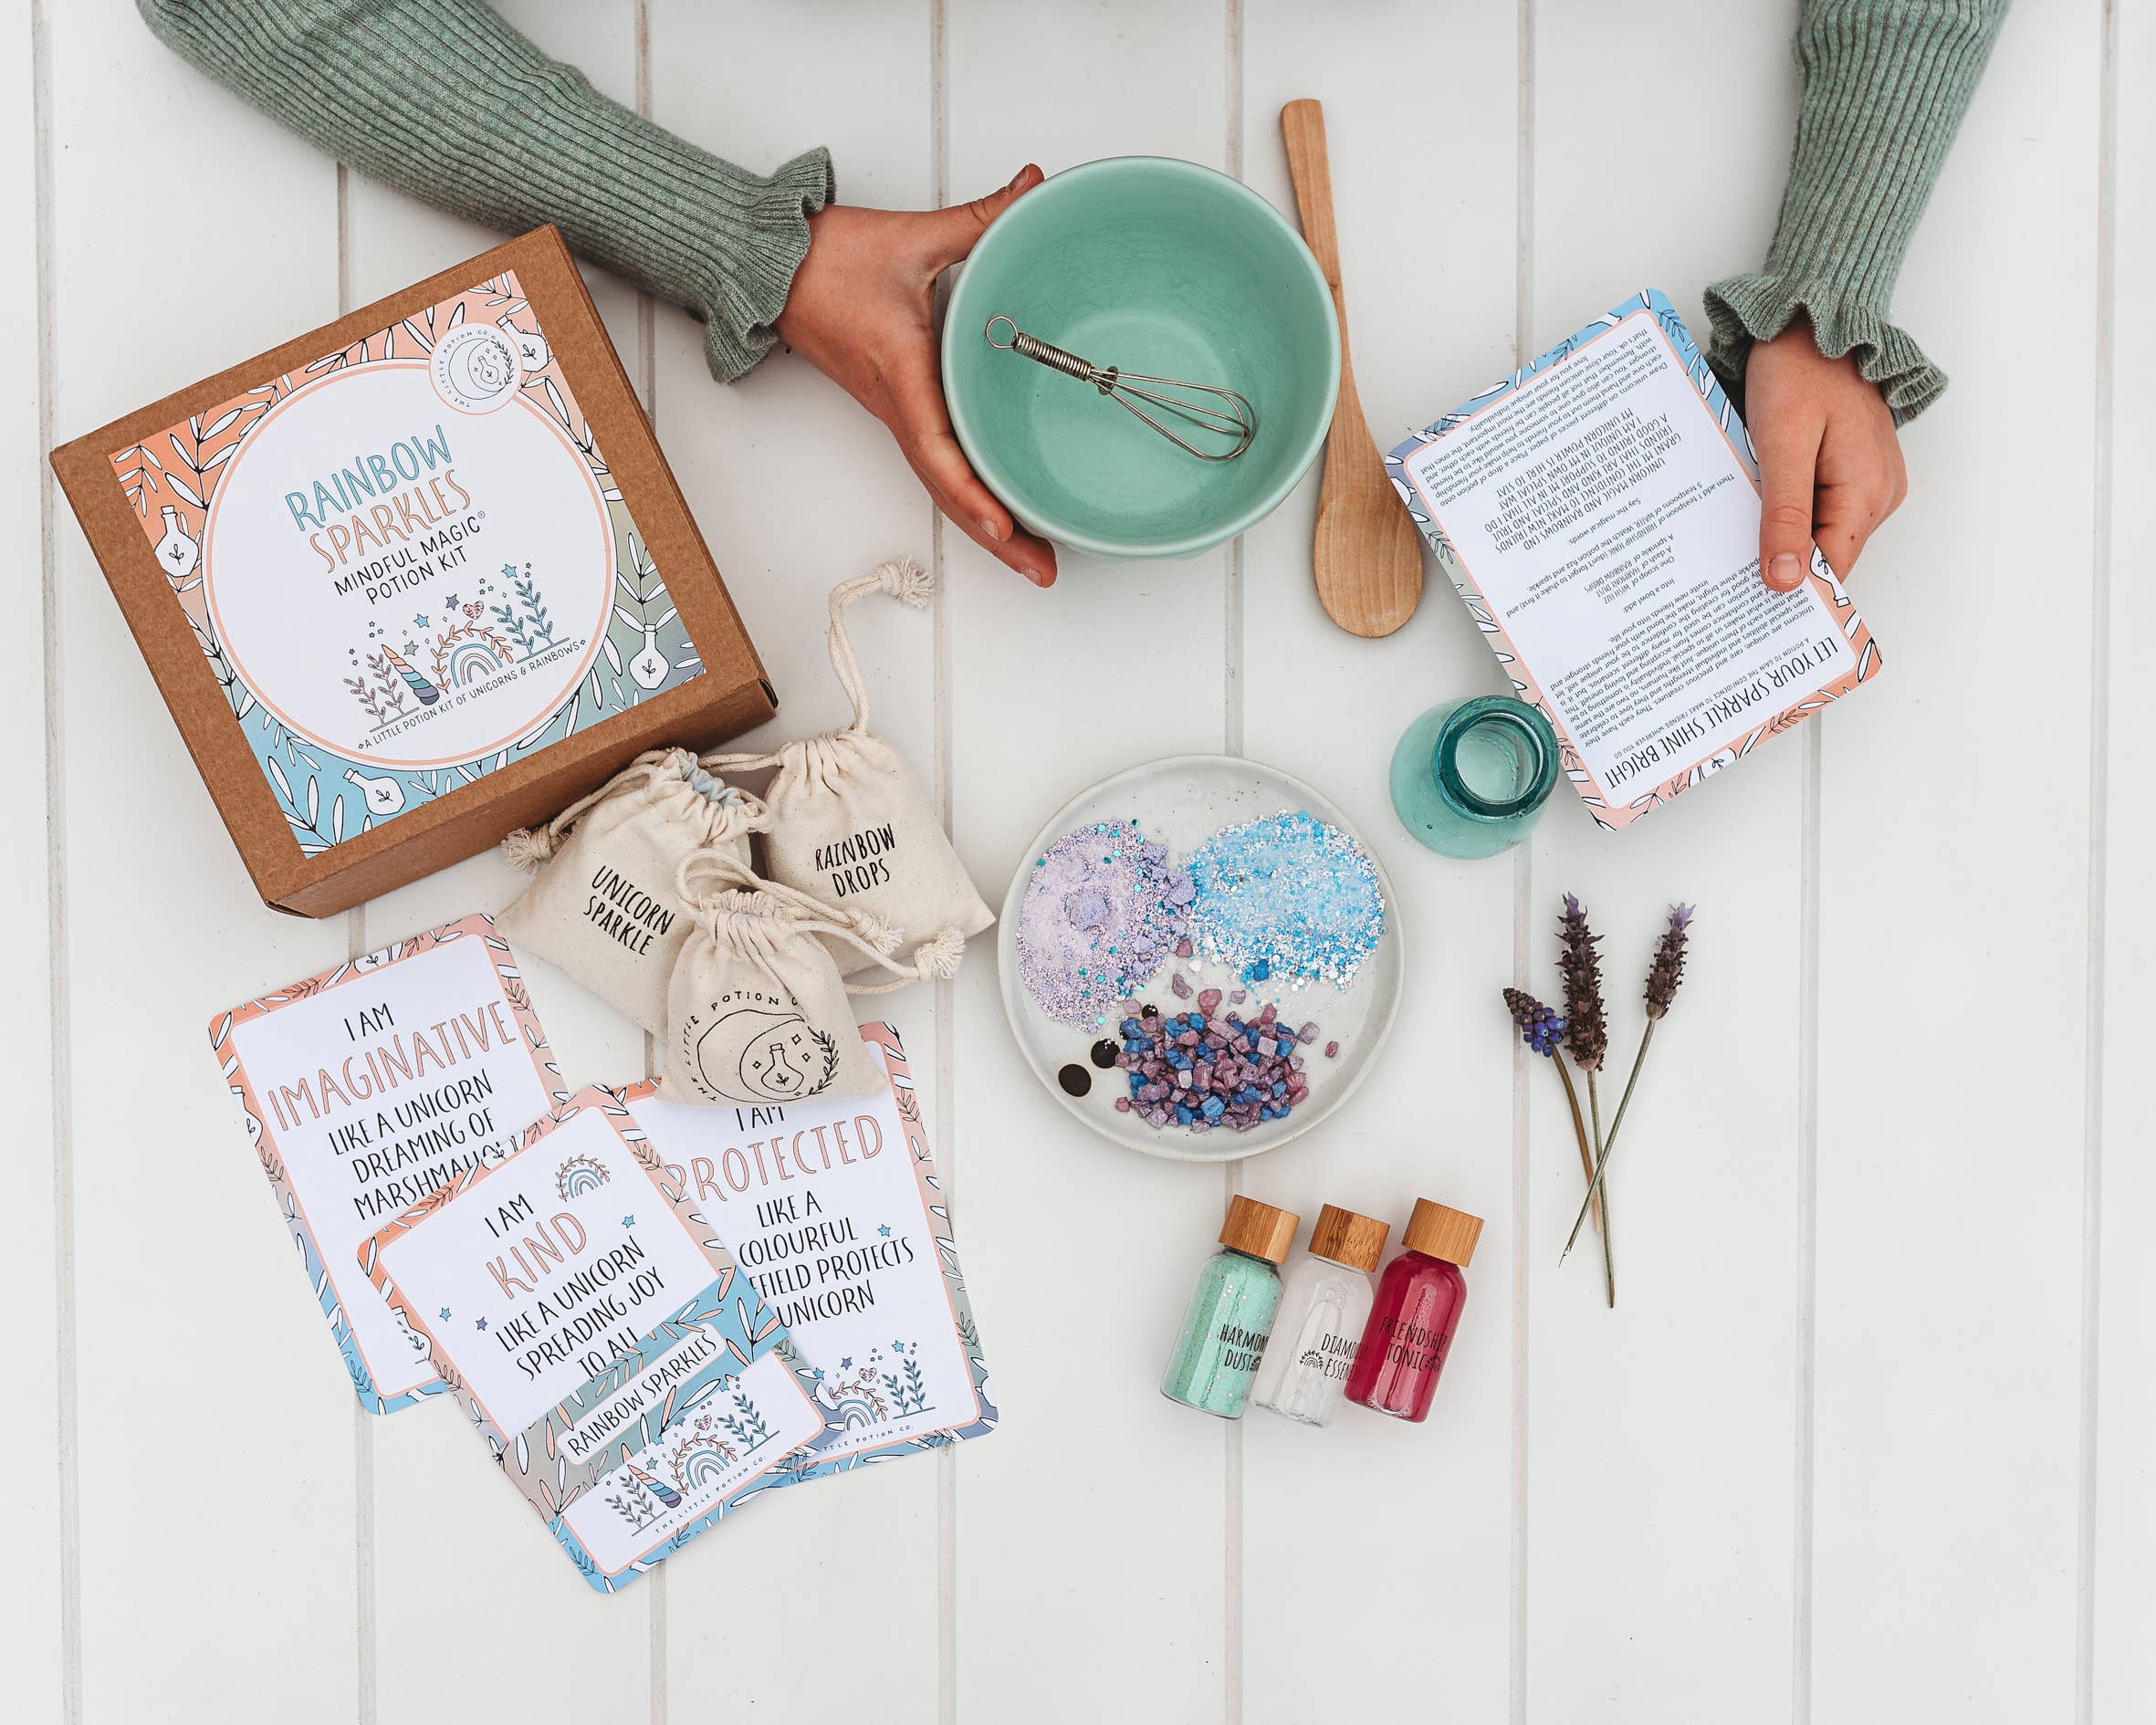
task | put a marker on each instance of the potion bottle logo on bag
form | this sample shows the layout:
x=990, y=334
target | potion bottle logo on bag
x=752, y=1047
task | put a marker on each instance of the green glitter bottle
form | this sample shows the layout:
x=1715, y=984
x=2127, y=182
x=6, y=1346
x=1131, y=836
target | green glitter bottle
x=1231, y=1311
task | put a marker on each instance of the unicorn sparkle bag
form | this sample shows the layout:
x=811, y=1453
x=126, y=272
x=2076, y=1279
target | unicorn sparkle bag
x=605, y=906
x=755, y=1010
x=851, y=826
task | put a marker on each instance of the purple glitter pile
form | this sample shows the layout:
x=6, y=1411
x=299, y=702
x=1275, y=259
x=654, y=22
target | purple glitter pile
x=1102, y=911
x=1201, y=1069
x=1286, y=899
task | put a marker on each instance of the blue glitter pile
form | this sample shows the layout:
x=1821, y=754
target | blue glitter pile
x=1286, y=899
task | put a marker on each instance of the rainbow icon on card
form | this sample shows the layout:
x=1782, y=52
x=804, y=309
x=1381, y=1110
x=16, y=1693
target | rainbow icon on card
x=578, y=1175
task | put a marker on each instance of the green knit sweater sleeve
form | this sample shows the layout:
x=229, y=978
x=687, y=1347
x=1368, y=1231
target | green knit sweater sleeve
x=442, y=100
x=1885, y=83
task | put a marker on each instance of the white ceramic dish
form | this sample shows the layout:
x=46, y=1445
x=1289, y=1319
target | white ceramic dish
x=1178, y=801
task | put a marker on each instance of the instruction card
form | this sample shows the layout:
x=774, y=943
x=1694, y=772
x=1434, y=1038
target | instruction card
x=371, y=1085
x=1599, y=513
x=832, y=1211
x=627, y=1376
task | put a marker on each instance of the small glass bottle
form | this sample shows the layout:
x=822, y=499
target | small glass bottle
x=1469, y=777
x=1231, y=1310
x=1418, y=1301
x=1323, y=1303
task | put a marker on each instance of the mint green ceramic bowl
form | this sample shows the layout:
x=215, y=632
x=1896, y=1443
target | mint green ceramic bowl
x=1150, y=265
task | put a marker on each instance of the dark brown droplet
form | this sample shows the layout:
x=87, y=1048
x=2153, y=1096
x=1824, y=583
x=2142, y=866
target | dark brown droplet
x=1075, y=1080
x=1104, y=1053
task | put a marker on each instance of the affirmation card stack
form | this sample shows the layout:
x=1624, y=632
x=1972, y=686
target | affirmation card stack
x=652, y=1312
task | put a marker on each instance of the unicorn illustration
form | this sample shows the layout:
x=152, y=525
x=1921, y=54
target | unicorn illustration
x=658, y=1488
x=699, y=1458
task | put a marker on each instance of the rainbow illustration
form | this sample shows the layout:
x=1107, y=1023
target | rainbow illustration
x=853, y=1406
x=695, y=1462
x=474, y=658
x=428, y=694
x=578, y=1175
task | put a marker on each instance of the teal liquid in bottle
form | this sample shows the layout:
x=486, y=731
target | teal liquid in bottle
x=1469, y=777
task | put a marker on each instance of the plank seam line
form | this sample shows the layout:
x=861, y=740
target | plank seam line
x=1231, y=727
x=1523, y=889
x=66, y=1431
x=2099, y=751
x=1805, y=1391
x=944, y=1007
x=366, y=1629
x=657, y=1653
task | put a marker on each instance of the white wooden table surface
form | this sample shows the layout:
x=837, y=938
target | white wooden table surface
x=1868, y=1436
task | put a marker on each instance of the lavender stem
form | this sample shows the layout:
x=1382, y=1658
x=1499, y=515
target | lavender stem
x=1602, y=1162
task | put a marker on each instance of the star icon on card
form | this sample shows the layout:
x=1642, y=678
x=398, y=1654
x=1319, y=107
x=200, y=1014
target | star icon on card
x=628, y=1221
x=846, y=1365
x=885, y=1231
x=482, y=1324
x=444, y=1313
x=419, y=623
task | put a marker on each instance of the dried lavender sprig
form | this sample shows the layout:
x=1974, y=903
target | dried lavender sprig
x=1540, y=1027
x=1544, y=1032
x=1668, y=969
x=1663, y=976
x=1587, y=1027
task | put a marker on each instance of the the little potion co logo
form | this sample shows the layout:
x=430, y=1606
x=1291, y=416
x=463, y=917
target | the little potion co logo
x=749, y=1046
x=578, y=1175
x=475, y=367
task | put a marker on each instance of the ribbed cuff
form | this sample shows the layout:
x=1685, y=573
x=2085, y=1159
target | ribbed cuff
x=756, y=252
x=1885, y=85
x=1742, y=309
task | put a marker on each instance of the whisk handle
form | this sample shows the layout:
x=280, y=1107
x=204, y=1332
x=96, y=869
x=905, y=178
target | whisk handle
x=1302, y=130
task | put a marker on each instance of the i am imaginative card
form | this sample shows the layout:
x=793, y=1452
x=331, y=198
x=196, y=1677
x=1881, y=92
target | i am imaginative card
x=366, y=1087
x=834, y=1213
x=1599, y=513
x=627, y=1376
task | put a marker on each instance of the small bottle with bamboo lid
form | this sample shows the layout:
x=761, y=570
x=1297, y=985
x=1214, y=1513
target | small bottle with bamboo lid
x=1324, y=1304
x=1231, y=1310
x=1418, y=1309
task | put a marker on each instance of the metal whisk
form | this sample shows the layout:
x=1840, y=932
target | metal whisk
x=1238, y=420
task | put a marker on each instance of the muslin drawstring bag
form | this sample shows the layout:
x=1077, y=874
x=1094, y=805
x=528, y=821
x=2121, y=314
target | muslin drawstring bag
x=606, y=906
x=756, y=1010
x=851, y=825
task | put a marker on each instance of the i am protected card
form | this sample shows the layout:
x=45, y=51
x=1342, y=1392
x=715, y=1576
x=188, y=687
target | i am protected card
x=371, y=1085
x=623, y=1372
x=834, y=1213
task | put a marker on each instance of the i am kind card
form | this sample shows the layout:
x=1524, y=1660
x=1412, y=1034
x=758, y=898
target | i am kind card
x=625, y=1374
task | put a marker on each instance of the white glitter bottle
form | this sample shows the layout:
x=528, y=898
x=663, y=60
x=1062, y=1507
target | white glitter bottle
x=1323, y=1304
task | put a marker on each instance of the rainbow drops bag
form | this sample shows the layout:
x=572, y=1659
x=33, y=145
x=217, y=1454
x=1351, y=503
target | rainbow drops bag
x=605, y=906
x=851, y=826
x=756, y=1012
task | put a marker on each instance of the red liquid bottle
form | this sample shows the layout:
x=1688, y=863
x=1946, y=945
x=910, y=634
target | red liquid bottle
x=1417, y=1308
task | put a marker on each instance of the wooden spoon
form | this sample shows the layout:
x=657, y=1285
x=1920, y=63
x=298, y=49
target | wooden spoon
x=1367, y=555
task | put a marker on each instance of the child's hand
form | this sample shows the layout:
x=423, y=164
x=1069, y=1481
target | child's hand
x=1829, y=464
x=859, y=311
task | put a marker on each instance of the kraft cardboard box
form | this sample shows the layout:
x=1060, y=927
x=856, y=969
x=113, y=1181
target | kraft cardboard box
x=416, y=579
